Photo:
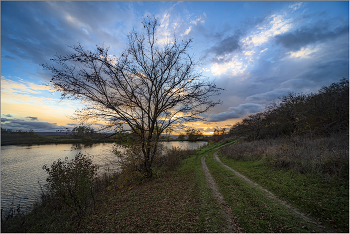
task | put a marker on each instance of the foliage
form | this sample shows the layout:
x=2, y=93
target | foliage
x=219, y=134
x=324, y=113
x=193, y=134
x=83, y=132
x=71, y=182
x=181, y=137
x=151, y=86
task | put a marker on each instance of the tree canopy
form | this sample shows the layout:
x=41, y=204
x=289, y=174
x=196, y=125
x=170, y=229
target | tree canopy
x=323, y=113
x=149, y=87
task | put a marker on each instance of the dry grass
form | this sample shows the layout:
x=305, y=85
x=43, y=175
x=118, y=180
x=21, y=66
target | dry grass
x=328, y=157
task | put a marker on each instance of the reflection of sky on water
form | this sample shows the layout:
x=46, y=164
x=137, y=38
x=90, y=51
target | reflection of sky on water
x=21, y=166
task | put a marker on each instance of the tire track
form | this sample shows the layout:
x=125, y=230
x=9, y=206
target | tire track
x=231, y=227
x=272, y=196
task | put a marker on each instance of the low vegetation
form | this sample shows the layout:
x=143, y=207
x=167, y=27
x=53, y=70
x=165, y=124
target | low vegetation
x=317, y=114
x=252, y=210
x=9, y=137
x=313, y=175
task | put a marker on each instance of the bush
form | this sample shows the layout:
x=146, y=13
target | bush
x=172, y=157
x=131, y=163
x=328, y=157
x=71, y=182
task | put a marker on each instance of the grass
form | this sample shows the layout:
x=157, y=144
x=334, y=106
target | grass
x=311, y=174
x=328, y=201
x=253, y=211
x=179, y=200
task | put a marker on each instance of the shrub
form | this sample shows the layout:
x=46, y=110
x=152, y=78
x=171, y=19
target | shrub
x=328, y=157
x=172, y=157
x=131, y=163
x=71, y=182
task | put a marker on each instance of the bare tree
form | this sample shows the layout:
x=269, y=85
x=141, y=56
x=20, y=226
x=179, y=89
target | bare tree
x=149, y=87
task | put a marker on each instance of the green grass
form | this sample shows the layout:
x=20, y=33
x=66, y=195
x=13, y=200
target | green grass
x=327, y=201
x=253, y=210
x=180, y=201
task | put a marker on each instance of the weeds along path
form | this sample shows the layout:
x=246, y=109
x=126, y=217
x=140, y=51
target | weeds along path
x=271, y=195
x=226, y=209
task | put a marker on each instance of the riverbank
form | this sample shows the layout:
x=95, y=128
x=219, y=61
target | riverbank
x=26, y=138
x=178, y=199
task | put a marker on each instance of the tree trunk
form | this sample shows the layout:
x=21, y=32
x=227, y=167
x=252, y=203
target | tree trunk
x=147, y=170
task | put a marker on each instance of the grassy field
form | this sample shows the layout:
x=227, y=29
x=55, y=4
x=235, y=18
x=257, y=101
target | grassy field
x=253, y=210
x=179, y=200
x=321, y=192
x=328, y=202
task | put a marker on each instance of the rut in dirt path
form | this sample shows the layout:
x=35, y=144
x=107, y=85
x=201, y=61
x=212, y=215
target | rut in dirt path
x=226, y=209
x=271, y=195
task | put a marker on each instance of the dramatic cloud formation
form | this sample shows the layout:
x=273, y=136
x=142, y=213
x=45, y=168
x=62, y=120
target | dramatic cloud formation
x=305, y=36
x=23, y=125
x=236, y=112
x=227, y=45
x=257, y=51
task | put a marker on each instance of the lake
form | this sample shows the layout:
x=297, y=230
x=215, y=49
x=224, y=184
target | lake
x=21, y=166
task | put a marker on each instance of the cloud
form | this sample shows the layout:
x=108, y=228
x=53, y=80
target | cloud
x=5, y=119
x=25, y=24
x=235, y=112
x=303, y=53
x=305, y=36
x=325, y=73
x=295, y=6
x=226, y=46
x=269, y=96
x=38, y=126
x=235, y=66
x=277, y=25
x=21, y=86
x=32, y=118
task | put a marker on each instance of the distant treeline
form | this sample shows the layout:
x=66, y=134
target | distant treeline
x=323, y=113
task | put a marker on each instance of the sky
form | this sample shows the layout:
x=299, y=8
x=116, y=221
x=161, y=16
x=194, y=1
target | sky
x=257, y=51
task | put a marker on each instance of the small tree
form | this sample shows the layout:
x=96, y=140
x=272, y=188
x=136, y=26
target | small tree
x=181, y=137
x=83, y=132
x=193, y=134
x=149, y=87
